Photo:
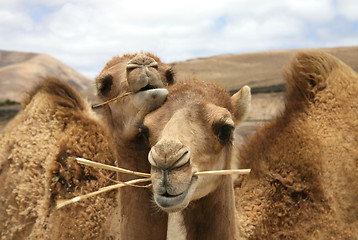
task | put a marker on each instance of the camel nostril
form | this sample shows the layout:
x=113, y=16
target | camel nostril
x=168, y=154
x=183, y=160
x=187, y=164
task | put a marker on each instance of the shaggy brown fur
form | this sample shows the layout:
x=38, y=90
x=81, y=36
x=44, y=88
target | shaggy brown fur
x=37, y=167
x=304, y=179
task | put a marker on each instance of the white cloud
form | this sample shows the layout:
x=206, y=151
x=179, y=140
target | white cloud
x=348, y=8
x=85, y=34
x=313, y=11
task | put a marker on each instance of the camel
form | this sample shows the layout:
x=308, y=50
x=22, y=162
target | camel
x=38, y=149
x=193, y=131
x=304, y=178
x=145, y=75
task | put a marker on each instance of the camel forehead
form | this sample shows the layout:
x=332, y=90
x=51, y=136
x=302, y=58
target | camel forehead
x=196, y=91
x=184, y=122
x=157, y=119
x=193, y=97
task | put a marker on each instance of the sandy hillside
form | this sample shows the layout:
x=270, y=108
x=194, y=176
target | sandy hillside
x=262, y=69
x=19, y=71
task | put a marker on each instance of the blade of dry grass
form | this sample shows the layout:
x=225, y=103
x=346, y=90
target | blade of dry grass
x=63, y=202
x=111, y=100
x=223, y=172
x=203, y=173
x=109, y=167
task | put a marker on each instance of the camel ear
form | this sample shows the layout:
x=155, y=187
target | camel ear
x=104, y=84
x=241, y=102
x=169, y=76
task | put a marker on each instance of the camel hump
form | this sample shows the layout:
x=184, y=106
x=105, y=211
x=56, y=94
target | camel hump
x=60, y=92
x=308, y=73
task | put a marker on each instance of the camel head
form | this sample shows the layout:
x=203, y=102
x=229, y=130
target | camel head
x=191, y=132
x=142, y=74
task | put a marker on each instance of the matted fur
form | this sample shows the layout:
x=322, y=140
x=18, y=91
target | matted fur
x=37, y=167
x=61, y=94
x=304, y=178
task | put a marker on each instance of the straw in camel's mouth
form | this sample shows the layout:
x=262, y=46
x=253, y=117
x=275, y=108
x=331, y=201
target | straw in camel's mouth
x=174, y=199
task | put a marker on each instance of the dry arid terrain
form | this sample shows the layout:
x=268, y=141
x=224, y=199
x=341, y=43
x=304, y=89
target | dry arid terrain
x=258, y=70
x=19, y=71
x=262, y=71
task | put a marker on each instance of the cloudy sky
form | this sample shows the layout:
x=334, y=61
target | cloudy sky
x=85, y=34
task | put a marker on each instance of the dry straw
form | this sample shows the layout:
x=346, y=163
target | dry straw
x=223, y=172
x=109, y=167
x=111, y=100
x=122, y=170
x=63, y=202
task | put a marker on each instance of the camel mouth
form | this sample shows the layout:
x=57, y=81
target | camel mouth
x=167, y=201
x=174, y=203
x=147, y=87
x=149, y=100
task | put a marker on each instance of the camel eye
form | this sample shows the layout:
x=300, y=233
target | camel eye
x=104, y=84
x=223, y=131
x=169, y=75
x=144, y=134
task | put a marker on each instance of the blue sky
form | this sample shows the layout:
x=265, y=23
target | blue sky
x=85, y=34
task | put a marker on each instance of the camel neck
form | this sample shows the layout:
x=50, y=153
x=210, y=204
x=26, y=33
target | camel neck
x=136, y=213
x=213, y=217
